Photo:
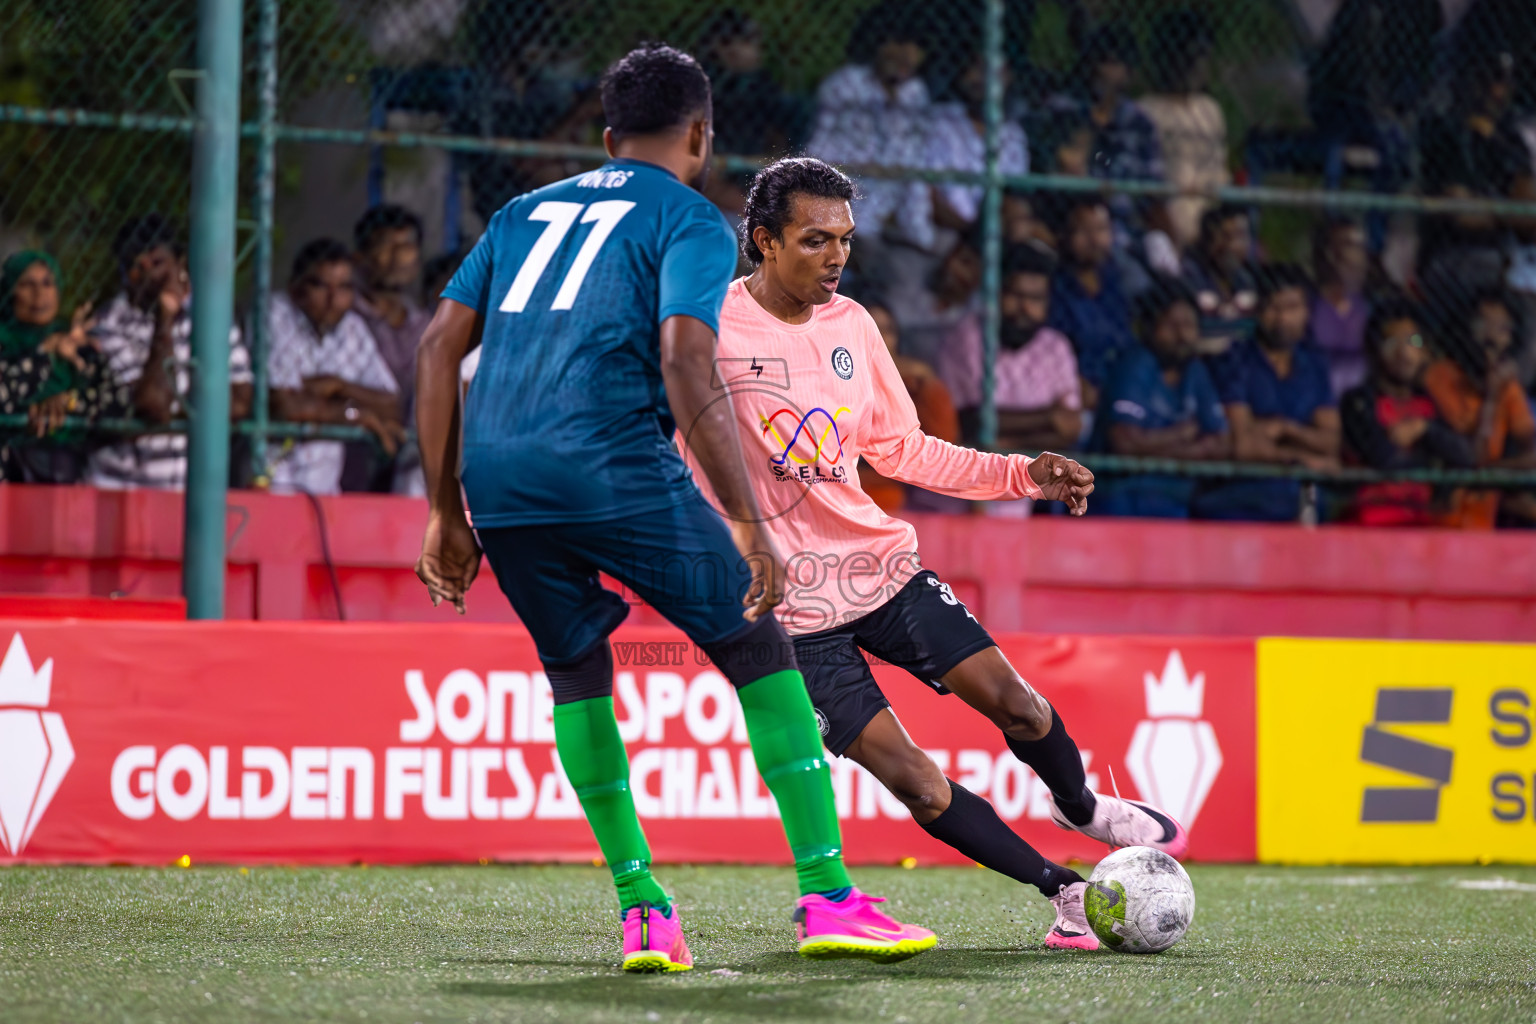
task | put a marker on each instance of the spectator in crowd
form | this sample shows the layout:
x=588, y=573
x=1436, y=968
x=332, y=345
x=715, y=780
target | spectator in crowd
x=436, y=275
x=1218, y=273
x=1160, y=402
x=1124, y=144
x=957, y=142
x=927, y=314
x=1191, y=128
x=1277, y=397
x=1340, y=310
x=49, y=369
x=1474, y=150
x=754, y=115
x=1021, y=223
x=388, y=254
x=876, y=110
x=1390, y=423
x=1364, y=83
x=532, y=84
x=1036, y=390
x=325, y=368
x=145, y=336
x=1477, y=391
x=935, y=409
x=1088, y=303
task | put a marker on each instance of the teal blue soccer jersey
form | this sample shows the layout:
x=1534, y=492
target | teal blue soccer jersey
x=567, y=418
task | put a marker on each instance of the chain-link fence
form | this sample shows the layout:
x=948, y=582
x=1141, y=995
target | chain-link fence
x=1384, y=147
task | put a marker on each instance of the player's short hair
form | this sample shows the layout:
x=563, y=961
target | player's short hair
x=653, y=88
x=317, y=254
x=1029, y=258
x=140, y=235
x=1274, y=278
x=384, y=217
x=770, y=201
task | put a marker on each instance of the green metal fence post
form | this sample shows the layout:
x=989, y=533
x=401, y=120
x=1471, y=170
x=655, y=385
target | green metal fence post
x=215, y=165
x=991, y=222
x=266, y=187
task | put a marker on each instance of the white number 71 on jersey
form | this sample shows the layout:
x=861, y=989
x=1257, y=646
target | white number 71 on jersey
x=560, y=217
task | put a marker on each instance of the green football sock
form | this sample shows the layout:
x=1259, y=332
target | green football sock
x=587, y=736
x=787, y=746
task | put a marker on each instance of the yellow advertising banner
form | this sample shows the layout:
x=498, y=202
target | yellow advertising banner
x=1395, y=752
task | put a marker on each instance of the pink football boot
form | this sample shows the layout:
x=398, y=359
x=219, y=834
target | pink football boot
x=1071, y=930
x=1129, y=823
x=854, y=928
x=654, y=942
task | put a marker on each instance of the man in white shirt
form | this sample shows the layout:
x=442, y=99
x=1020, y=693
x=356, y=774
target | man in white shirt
x=324, y=367
x=145, y=335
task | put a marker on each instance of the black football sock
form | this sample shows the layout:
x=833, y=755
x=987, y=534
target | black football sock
x=970, y=825
x=1055, y=758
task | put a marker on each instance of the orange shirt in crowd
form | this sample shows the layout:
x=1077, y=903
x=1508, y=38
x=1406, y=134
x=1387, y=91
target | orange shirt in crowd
x=1460, y=402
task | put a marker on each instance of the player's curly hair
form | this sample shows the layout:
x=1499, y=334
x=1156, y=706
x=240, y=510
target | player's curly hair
x=771, y=198
x=652, y=88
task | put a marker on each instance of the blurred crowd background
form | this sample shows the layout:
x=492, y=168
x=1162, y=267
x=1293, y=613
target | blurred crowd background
x=1224, y=241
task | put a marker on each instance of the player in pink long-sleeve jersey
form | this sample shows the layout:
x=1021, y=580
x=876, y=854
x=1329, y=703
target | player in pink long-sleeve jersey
x=814, y=390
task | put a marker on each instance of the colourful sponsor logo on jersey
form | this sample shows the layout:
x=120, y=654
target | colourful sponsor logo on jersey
x=818, y=428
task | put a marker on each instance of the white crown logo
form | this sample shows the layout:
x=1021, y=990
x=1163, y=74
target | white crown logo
x=1174, y=757
x=1175, y=695
x=20, y=686
x=35, y=752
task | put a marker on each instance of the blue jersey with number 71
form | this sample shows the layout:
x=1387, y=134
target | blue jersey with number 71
x=567, y=418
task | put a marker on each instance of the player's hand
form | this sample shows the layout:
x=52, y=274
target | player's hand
x=1062, y=479
x=767, y=589
x=450, y=559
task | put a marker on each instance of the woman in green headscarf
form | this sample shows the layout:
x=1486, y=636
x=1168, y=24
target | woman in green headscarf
x=49, y=369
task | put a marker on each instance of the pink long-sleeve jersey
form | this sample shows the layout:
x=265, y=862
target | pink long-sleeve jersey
x=812, y=399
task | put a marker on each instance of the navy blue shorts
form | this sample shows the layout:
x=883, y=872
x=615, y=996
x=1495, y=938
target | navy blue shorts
x=679, y=560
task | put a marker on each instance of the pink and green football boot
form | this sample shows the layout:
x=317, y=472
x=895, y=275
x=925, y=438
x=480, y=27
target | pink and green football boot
x=852, y=927
x=653, y=942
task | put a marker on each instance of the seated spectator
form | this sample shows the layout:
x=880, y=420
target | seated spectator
x=145, y=335
x=439, y=270
x=1276, y=393
x=1218, y=273
x=1124, y=144
x=753, y=114
x=1474, y=150
x=49, y=369
x=957, y=142
x=935, y=410
x=325, y=368
x=928, y=313
x=1390, y=423
x=1021, y=224
x=1159, y=402
x=1088, y=303
x=1035, y=387
x=388, y=254
x=876, y=110
x=1340, y=310
x=1191, y=128
x=1365, y=83
x=1477, y=391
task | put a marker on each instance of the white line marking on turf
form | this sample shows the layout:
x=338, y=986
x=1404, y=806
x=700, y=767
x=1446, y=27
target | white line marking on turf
x=1494, y=885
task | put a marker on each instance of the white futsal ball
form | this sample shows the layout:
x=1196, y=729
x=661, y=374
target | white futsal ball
x=1139, y=900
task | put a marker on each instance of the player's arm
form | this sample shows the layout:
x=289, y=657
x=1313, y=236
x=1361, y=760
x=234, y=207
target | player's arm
x=450, y=556
x=708, y=426
x=898, y=448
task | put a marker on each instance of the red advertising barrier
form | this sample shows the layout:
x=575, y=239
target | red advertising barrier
x=142, y=742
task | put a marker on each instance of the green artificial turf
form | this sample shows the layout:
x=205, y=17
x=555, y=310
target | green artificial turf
x=500, y=943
